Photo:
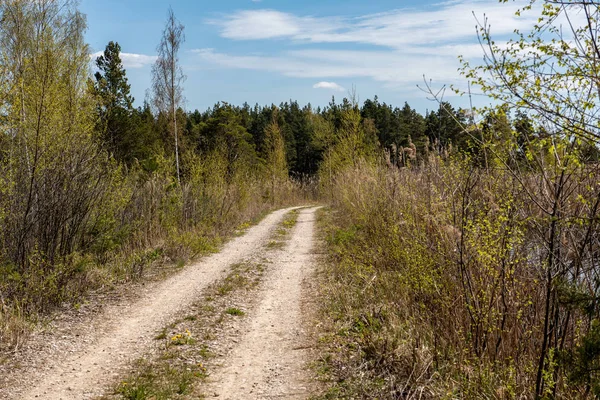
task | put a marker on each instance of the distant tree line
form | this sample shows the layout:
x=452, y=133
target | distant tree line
x=138, y=135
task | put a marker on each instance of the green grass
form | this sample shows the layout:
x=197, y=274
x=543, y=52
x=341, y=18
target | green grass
x=180, y=339
x=290, y=220
x=231, y=283
x=205, y=352
x=159, y=381
x=234, y=311
x=278, y=239
x=275, y=245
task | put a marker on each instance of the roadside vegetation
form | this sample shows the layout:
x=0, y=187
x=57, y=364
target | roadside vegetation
x=470, y=270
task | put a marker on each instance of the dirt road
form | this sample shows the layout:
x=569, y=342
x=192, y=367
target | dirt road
x=269, y=360
x=268, y=363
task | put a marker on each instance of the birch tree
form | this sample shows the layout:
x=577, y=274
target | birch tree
x=168, y=77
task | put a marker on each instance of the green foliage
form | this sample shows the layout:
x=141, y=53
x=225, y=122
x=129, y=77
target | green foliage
x=224, y=133
x=548, y=72
x=584, y=360
x=189, y=245
x=354, y=142
x=398, y=128
x=58, y=177
x=275, y=159
x=550, y=76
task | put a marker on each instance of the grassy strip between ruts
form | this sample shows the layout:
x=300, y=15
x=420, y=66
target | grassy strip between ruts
x=278, y=240
x=190, y=347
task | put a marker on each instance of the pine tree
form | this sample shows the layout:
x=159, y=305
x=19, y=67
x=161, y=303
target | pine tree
x=115, y=104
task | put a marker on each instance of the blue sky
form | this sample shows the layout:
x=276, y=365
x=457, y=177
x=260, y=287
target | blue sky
x=270, y=51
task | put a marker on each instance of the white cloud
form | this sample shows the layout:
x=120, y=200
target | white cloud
x=271, y=24
x=131, y=60
x=391, y=67
x=263, y=24
x=397, y=48
x=137, y=60
x=329, y=85
x=451, y=21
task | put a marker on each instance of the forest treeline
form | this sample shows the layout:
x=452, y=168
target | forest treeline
x=462, y=245
x=306, y=131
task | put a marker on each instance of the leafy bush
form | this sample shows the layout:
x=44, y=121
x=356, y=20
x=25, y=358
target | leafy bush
x=437, y=282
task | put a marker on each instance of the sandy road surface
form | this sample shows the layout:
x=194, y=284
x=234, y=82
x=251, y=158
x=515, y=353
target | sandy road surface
x=123, y=332
x=269, y=361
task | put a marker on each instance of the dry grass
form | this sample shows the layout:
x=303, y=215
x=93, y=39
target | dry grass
x=433, y=287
